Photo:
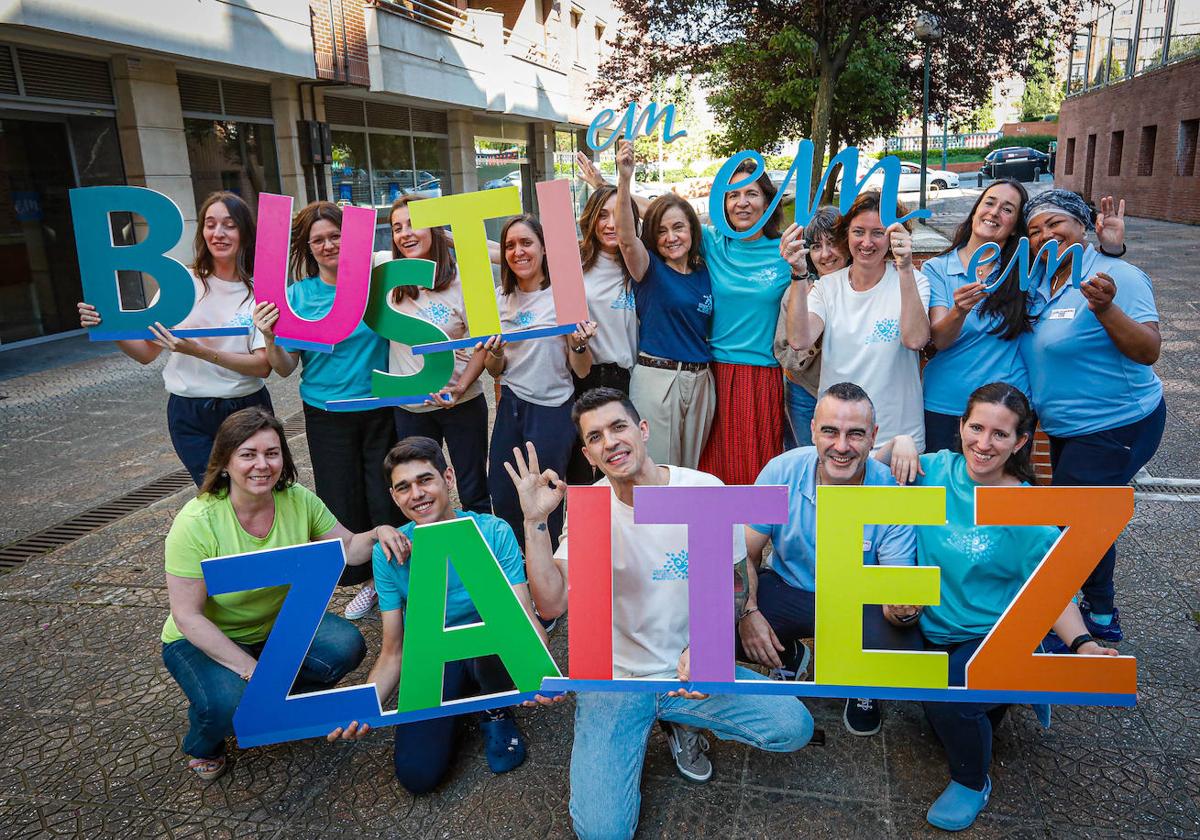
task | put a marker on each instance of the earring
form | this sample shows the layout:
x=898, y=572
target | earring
x=224, y=473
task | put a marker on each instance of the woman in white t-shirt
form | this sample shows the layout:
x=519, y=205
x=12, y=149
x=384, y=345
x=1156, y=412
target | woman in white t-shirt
x=873, y=314
x=458, y=415
x=209, y=378
x=537, y=390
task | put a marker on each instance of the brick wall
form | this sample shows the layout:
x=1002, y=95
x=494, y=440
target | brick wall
x=340, y=40
x=1019, y=129
x=1145, y=133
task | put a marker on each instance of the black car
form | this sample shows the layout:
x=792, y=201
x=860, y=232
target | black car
x=1015, y=161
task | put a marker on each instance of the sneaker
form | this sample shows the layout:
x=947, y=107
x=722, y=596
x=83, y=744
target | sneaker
x=795, y=664
x=688, y=748
x=1053, y=644
x=958, y=806
x=362, y=603
x=503, y=743
x=862, y=717
x=209, y=769
x=1110, y=632
x=548, y=624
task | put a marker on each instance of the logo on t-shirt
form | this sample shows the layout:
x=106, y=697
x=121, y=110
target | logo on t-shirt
x=524, y=319
x=765, y=276
x=676, y=567
x=887, y=331
x=704, y=307
x=976, y=543
x=436, y=313
x=624, y=301
x=239, y=319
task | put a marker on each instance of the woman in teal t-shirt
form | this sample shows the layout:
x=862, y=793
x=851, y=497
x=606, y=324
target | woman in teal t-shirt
x=982, y=569
x=248, y=501
x=347, y=447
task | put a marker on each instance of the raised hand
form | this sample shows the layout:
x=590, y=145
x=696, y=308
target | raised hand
x=794, y=249
x=625, y=159
x=540, y=492
x=588, y=171
x=1110, y=225
x=901, y=242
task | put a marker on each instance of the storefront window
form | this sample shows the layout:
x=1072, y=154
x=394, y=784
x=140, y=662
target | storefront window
x=234, y=156
x=391, y=168
x=432, y=166
x=502, y=163
x=351, y=183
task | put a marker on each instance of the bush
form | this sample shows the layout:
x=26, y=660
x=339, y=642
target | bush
x=1034, y=141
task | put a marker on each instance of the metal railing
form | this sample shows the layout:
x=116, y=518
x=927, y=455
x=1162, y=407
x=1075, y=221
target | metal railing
x=434, y=13
x=522, y=47
x=974, y=140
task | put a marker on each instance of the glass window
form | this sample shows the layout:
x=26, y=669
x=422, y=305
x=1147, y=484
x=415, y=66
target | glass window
x=1078, y=76
x=391, y=168
x=233, y=156
x=1185, y=30
x=1101, y=38
x=1150, y=36
x=1122, y=40
x=432, y=166
x=501, y=163
x=351, y=184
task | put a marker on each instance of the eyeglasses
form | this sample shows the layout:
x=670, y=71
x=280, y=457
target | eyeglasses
x=334, y=240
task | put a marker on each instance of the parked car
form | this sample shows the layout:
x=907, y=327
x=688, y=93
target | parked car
x=1020, y=162
x=512, y=179
x=779, y=178
x=910, y=178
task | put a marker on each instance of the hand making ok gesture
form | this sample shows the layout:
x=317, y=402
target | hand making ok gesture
x=541, y=492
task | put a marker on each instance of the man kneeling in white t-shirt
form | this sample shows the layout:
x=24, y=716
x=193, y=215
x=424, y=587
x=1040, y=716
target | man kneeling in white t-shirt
x=650, y=627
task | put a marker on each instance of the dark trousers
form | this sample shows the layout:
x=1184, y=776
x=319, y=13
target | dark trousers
x=607, y=375
x=347, y=450
x=463, y=428
x=1109, y=458
x=791, y=612
x=941, y=431
x=423, y=750
x=552, y=433
x=193, y=424
x=965, y=729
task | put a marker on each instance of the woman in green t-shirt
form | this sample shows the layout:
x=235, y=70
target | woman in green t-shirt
x=983, y=567
x=249, y=501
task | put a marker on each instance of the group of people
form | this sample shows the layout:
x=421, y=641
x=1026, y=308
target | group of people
x=789, y=357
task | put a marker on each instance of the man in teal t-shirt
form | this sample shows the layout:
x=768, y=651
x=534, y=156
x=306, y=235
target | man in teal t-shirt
x=420, y=483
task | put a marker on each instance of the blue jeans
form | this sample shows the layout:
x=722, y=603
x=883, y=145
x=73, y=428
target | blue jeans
x=799, y=406
x=1109, y=459
x=213, y=691
x=612, y=729
x=464, y=429
x=193, y=423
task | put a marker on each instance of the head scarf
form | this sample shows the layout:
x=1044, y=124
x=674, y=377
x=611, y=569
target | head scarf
x=1060, y=201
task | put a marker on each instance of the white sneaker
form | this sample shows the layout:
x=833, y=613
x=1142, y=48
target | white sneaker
x=687, y=748
x=362, y=603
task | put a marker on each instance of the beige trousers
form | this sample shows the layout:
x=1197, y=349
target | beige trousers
x=679, y=406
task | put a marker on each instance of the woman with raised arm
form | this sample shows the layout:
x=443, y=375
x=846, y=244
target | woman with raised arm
x=249, y=501
x=873, y=315
x=983, y=568
x=1090, y=359
x=346, y=447
x=672, y=384
x=819, y=254
x=208, y=379
x=458, y=415
x=976, y=322
x=537, y=390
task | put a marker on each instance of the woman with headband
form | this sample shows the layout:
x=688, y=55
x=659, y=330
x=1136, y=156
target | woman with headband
x=1089, y=358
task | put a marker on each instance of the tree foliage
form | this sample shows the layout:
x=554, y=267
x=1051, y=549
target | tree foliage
x=1043, y=91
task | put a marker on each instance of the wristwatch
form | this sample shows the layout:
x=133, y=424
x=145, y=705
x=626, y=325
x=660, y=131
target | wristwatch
x=580, y=349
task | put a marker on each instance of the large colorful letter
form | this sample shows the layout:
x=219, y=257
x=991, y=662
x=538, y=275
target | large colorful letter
x=990, y=251
x=267, y=714
x=562, y=252
x=100, y=260
x=505, y=629
x=590, y=593
x=845, y=585
x=353, y=276
x=632, y=125
x=465, y=214
x=1095, y=517
x=710, y=514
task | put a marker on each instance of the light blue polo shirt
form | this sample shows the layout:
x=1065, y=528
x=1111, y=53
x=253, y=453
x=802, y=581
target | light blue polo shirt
x=749, y=279
x=1081, y=382
x=983, y=566
x=391, y=577
x=977, y=357
x=344, y=374
x=795, y=541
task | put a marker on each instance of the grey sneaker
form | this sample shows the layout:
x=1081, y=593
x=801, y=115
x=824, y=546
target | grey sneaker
x=688, y=747
x=795, y=664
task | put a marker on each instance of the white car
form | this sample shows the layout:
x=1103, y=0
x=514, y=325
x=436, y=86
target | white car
x=910, y=178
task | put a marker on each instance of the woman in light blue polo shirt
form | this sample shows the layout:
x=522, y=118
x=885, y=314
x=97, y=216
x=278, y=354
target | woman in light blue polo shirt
x=346, y=447
x=1089, y=359
x=982, y=570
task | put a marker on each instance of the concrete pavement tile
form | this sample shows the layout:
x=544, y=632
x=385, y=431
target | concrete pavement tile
x=44, y=817
x=779, y=814
x=909, y=822
x=108, y=630
x=677, y=808
x=728, y=758
x=80, y=684
x=1173, y=713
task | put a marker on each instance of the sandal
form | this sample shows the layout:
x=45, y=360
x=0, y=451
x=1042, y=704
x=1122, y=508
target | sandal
x=208, y=769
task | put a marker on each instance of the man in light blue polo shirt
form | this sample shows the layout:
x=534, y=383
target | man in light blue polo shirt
x=781, y=601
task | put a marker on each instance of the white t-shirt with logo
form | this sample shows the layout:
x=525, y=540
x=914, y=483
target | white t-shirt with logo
x=650, y=588
x=444, y=309
x=227, y=303
x=862, y=345
x=536, y=370
x=611, y=305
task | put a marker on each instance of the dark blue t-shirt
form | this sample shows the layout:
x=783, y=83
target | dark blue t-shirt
x=675, y=311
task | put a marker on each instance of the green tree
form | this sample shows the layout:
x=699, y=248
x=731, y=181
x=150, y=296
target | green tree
x=1043, y=91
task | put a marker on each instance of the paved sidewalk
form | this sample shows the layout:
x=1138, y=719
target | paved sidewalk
x=91, y=723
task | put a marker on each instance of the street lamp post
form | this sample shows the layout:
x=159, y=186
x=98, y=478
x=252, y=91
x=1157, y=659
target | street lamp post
x=928, y=29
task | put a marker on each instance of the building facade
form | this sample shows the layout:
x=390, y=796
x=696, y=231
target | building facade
x=1129, y=124
x=356, y=101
